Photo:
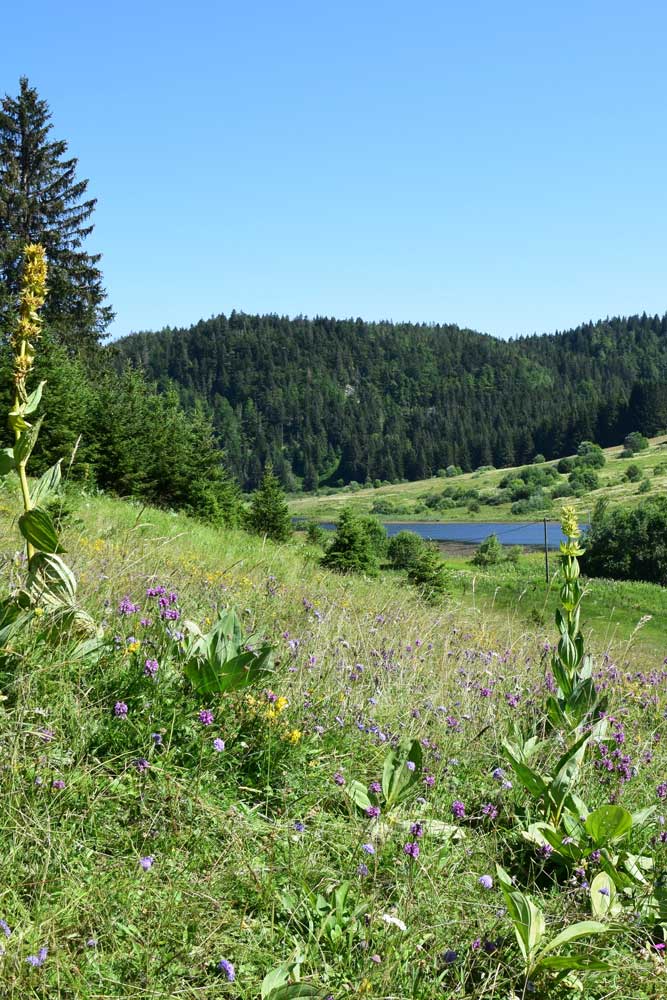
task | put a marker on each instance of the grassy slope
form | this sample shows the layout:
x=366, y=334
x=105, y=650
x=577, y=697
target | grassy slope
x=612, y=485
x=358, y=660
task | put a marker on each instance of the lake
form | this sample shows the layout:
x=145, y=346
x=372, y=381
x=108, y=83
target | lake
x=474, y=532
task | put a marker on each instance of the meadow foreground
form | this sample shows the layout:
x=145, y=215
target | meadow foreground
x=333, y=829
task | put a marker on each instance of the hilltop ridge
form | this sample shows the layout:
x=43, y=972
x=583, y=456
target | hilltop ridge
x=332, y=401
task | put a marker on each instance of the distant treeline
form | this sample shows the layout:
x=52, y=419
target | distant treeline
x=330, y=401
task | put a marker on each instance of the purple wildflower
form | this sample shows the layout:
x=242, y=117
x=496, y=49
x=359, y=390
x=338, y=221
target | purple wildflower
x=147, y=862
x=661, y=790
x=373, y=812
x=58, y=783
x=339, y=779
x=37, y=960
x=411, y=849
x=127, y=607
x=141, y=765
x=4, y=926
x=375, y=788
x=485, y=881
x=228, y=969
x=219, y=745
x=120, y=710
x=458, y=809
x=151, y=668
x=206, y=717
x=368, y=848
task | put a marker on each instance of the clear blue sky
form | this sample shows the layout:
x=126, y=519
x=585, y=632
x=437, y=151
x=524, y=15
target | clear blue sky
x=498, y=165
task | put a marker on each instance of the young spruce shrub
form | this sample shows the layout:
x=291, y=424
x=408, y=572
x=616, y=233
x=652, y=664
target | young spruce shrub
x=351, y=549
x=268, y=514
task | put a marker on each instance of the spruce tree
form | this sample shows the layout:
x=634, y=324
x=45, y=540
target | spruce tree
x=429, y=574
x=41, y=201
x=351, y=549
x=268, y=514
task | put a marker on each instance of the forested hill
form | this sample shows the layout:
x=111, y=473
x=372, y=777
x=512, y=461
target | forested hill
x=329, y=400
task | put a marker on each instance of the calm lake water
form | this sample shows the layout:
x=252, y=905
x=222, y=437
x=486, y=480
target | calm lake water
x=475, y=532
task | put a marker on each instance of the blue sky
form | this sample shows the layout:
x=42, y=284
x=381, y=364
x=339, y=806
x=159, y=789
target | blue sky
x=498, y=165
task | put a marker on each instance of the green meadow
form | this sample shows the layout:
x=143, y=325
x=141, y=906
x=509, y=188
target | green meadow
x=157, y=842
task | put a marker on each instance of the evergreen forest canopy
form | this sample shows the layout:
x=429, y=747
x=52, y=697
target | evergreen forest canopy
x=332, y=401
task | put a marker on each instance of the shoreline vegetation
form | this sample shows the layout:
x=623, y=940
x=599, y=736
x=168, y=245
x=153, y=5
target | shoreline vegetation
x=478, y=496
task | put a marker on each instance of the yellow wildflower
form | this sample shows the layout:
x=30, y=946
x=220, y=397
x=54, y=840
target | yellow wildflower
x=569, y=522
x=293, y=736
x=134, y=647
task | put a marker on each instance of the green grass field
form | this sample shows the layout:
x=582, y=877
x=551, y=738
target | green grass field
x=410, y=497
x=137, y=854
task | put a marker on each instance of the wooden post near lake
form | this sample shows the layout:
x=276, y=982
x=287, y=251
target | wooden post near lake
x=546, y=551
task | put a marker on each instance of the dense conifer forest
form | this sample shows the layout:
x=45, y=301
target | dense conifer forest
x=331, y=401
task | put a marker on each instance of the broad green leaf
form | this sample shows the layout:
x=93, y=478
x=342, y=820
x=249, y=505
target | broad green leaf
x=575, y=752
x=562, y=674
x=582, y=962
x=531, y=780
x=274, y=979
x=535, y=926
x=584, y=928
x=636, y=864
x=219, y=676
x=586, y=668
x=49, y=575
x=7, y=463
x=295, y=991
x=398, y=776
x=358, y=794
x=25, y=444
x=527, y=918
x=603, y=894
x=642, y=815
x=12, y=621
x=46, y=485
x=608, y=824
x=503, y=877
x=34, y=399
x=38, y=529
